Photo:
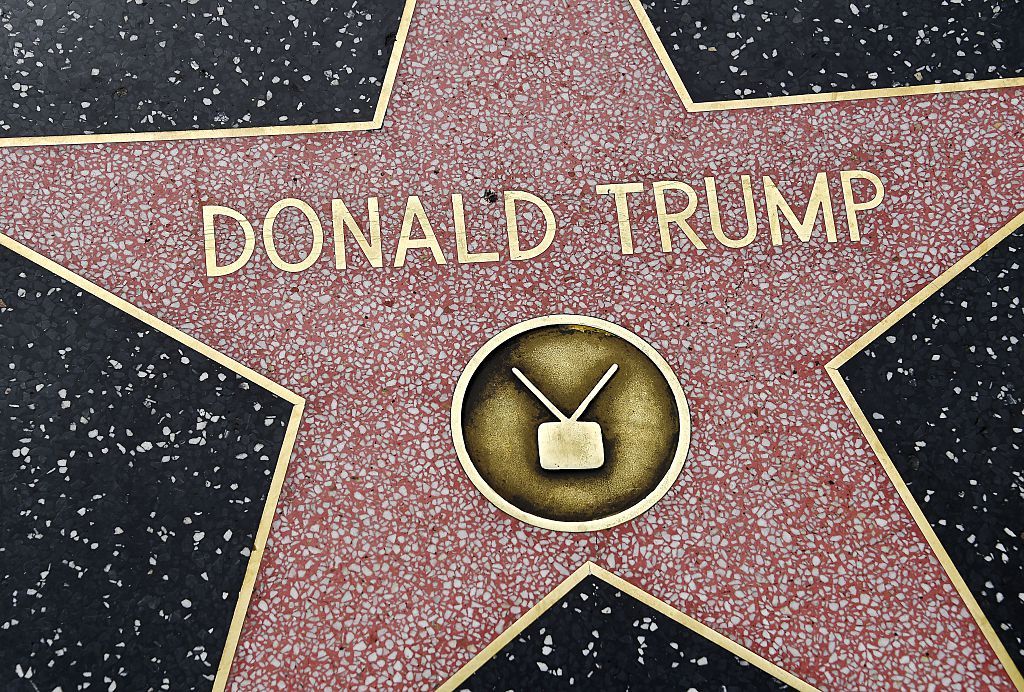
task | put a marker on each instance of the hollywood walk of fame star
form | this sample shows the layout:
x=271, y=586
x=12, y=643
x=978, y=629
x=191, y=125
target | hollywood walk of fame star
x=385, y=566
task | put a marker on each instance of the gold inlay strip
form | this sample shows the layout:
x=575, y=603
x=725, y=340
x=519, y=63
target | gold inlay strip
x=832, y=368
x=591, y=569
x=221, y=133
x=824, y=97
x=280, y=469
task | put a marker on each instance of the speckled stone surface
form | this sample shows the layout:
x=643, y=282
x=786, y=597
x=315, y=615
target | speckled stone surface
x=944, y=390
x=737, y=50
x=114, y=67
x=385, y=567
x=133, y=474
x=598, y=638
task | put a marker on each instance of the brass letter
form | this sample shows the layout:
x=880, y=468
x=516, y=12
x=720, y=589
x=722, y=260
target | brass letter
x=462, y=240
x=210, y=240
x=852, y=206
x=512, y=224
x=620, y=190
x=679, y=218
x=820, y=199
x=341, y=218
x=414, y=212
x=314, y=224
x=716, y=216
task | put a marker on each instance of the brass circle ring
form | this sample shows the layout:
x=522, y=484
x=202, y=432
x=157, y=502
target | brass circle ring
x=641, y=423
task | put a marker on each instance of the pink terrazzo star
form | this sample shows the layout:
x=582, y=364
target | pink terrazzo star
x=386, y=567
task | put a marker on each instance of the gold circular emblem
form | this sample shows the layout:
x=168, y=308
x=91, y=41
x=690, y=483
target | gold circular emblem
x=570, y=423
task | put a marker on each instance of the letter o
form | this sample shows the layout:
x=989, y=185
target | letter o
x=314, y=224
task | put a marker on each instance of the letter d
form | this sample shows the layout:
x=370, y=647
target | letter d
x=210, y=241
x=512, y=224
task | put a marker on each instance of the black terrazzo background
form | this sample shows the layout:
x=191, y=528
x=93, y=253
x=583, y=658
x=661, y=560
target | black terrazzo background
x=143, y=66
x=133, y=474
x=732, y=50
x=598, y=638
x=944, y=390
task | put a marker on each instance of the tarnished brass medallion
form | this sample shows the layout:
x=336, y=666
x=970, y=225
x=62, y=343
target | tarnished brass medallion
x=570, y=423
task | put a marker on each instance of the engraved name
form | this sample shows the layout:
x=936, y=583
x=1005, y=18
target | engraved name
x=675, y=207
